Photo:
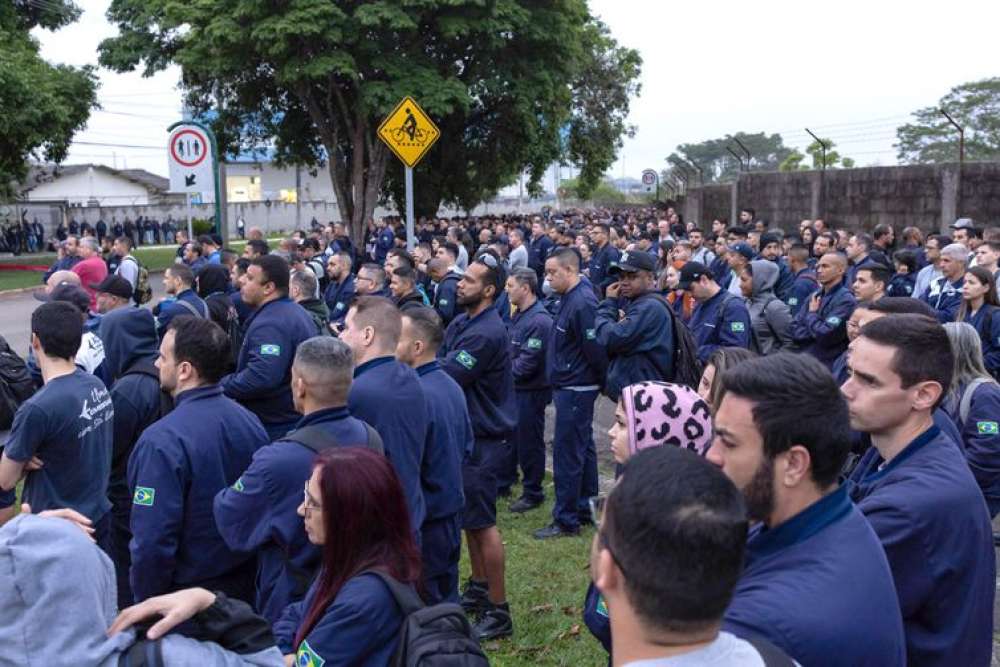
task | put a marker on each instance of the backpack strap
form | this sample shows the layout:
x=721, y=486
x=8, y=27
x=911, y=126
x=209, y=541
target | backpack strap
x=769, y=653
x=190, y=308
x=315, y=437
x=405, y=596
x=966, y=404
x=143, y=653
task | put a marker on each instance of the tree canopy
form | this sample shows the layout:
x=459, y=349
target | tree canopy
x=831, y=160
x=43, y=105
x=931, y=138
x=718, y=164
x=513, y=85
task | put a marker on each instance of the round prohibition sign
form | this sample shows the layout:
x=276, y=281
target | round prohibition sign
x=199, y=158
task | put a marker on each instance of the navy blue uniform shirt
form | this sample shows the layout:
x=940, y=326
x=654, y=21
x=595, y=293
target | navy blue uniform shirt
x=338, y=297
x=640, y=346
x=446, y=297
x=476, y=353
x=823, y=334
x=930, y=516
x=944, y=297
x=803, y=286
x=176, y=469
x=575, y=358
x=980, y=439
x=600, y=263
x=264, y=368
x=259, y=513
x=449, y=440
x=538, y=252
x=987, y=323
x=387, y=394
x=359, y=628
x=815, y=579
x=171, y=309
x=529, y=336
x=721, y=321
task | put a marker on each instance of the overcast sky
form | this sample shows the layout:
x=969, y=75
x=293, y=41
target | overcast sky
x=852, y=71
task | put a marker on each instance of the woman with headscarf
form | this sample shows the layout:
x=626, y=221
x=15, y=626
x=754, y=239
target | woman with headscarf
x=650, y=414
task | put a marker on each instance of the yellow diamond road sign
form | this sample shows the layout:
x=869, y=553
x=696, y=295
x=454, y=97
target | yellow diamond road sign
x=409, y=132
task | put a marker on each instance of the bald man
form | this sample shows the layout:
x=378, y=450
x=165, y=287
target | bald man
x=820, y=328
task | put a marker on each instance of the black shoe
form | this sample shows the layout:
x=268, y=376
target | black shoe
x=496, y=623
x=523, y=504
x=475, y=597
x=555, y=530
x=586, y=520
x=503, y=493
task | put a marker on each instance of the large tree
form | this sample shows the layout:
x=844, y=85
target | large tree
x=767, y=152
x=931, y=138
x=829, y=159
x=506, y=81
x=43, y=105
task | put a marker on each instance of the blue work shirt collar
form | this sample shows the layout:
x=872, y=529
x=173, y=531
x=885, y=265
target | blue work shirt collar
x=372, y=363
x=324, y=415
x=828, y=509
x=918, y=443
x=429, y=367
x=524, y=313
x=198, y=393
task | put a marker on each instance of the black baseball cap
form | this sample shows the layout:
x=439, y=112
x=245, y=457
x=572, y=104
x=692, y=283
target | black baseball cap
x=632, y=261
x=692, y=272
x=115, y=286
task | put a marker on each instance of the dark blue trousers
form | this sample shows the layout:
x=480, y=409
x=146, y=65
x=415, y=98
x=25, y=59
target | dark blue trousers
x=574, y=458
x=529, y=439
x=441, y=550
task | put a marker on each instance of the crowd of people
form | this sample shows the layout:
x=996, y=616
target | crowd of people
x=297, y=437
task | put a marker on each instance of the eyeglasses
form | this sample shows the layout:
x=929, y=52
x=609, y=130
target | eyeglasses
x=307, y=500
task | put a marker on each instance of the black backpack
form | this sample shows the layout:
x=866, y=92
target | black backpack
x=231, y=325
x=16, y=385
x=435, y=636
x=687, y=367
x=148, y=367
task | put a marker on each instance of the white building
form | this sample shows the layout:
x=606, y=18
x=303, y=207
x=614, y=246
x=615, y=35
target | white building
x=82, y=185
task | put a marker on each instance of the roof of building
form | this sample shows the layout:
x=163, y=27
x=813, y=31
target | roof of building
x=40, y=174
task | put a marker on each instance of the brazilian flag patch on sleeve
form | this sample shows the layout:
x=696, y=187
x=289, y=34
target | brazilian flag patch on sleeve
x=534, y=343
x=307, y=657
x=270, y=350
x=465, y=359
x=238, y=485
x=738, y=327
x=144, y=495
x=987, y=428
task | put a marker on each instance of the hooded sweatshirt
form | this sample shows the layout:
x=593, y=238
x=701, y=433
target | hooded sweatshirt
x=769, y=315
x=49, y=618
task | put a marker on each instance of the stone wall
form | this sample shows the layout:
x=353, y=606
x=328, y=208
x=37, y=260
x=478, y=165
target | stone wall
x=928, y=196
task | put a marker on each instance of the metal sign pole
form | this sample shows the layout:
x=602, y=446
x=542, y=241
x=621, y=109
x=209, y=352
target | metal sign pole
x=410, y=240
x=187, y=199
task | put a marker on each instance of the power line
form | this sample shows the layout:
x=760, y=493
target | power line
x=96, y=143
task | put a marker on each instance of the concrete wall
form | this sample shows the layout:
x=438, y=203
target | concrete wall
x=928, y=196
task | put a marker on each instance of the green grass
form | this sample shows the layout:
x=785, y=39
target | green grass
x=546, y=584
x=19, y=279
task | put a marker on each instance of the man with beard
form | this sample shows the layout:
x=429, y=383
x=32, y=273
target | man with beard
x=476, y=354
x=815, y=571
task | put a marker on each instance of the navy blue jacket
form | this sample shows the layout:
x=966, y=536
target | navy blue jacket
x=264, y=368
x=338, y=297
x=901, y=284
x=812, y=581
x=259, y=513
x=786, y=280
x=446, y=296
x=529, y=336
x=600, y=264
x=538, y=252
x=804, y=285
x=449, y=439
x=387, y=394
x=930, y=516
x=640, y=346
x=980, y=439
x=178, y=466
x=721, y=270
x=722, y=321
x=243, y=309
x=987, y=323
x=476, y=353
x=386, y=241
x=359, y=628
x=944, y=297
x=575, y=358
x=823, y=334
x=171, y=309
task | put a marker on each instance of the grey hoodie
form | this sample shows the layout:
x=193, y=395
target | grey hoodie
x=57, y=599
x=769, y=315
